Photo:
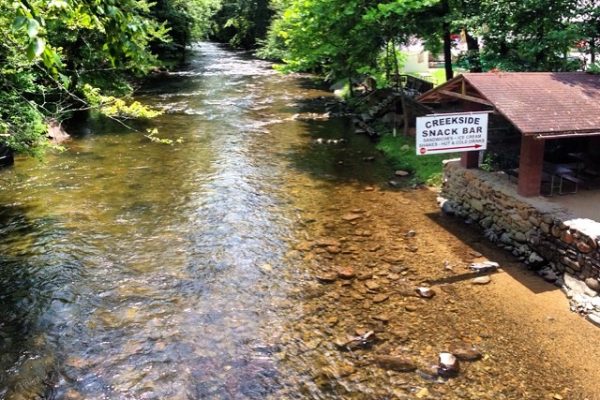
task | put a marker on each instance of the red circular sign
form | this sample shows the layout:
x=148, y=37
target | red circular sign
x=422, y=150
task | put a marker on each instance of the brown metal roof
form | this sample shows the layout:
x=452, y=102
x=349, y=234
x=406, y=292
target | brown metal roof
x=536, y=102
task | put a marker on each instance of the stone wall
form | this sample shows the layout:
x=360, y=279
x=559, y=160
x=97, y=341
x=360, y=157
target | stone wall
x=562, y=248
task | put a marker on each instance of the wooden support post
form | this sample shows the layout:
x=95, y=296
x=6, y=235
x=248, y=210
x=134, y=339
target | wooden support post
x=531, y=163
x=469, y=159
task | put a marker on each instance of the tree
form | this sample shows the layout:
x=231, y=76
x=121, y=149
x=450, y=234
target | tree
x=529, y=35
x=58, y=55
x=242, y=23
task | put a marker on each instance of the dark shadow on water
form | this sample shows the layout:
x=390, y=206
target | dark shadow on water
x=472, y=237
x=334, y=152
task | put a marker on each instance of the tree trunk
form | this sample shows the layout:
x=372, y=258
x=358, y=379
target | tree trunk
x=473, y=52
x=447, y=41
x=350, y=88
x=448, y=52
x=405, y=115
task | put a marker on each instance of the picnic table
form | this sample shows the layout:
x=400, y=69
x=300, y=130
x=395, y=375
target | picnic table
x=561, y=173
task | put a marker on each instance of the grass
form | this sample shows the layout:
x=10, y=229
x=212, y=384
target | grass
x=400, y=150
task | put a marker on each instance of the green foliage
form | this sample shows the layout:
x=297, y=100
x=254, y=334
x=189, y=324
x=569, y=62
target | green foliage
x=346, y=38
x=242, y=23
x=151, y=134
x=400, y=150
x=594, y=69
x=58, y=56
x=531, y=35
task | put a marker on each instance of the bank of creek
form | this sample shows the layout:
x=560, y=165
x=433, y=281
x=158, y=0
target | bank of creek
x=245, y=263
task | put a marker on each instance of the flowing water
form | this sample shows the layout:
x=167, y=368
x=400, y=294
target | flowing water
x=136, y=270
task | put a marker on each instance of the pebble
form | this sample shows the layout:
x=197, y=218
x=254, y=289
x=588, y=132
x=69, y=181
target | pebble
x=266, y=268
x=333, y=249
x=401, y=173
x=481, y=280
x=465, y=351
x=351, y=217
x=346, y=272
x=395, y=363
x=410, y=308
x=369, y=188
x=372, y=285
x=328, y=242
x=448, y=364
x=327, y=277
x=425, y=292
x=485, y=266
x=380, y=298
x=593, y=284
x=594, y=319
x=382, y=317
x=363, y=276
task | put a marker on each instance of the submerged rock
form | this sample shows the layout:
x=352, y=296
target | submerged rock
x=346, y=272
x=327, y=277
x=465, y=352
x=395, y=363
x=448, y=365
x=380, y=298
x=351, y=217
x=425, y=292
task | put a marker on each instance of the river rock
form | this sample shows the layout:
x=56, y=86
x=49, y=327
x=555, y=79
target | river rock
x=304, y=246
x=485, y=266
x=465, y=352
x=577, y=286
x=381, y=317
x=395, y=363
x=327, y=277
x=333, y=249
x=481, y=280
x=425, y=292
x=401, y=173
x=364, y=275
x=351, y=217
x=328, y=242
x=346, y=272
x=447, y=208
x=380, y=298
x=448, y=364
x=372, y=285
x=594, y=319
x=593, y=284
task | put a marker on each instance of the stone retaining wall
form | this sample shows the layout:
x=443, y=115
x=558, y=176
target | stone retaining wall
x=564, y=249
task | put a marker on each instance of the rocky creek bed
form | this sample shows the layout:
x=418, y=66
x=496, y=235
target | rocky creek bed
x=366, y=263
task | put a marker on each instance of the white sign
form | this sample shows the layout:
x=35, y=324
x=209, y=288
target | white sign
x=450, y=133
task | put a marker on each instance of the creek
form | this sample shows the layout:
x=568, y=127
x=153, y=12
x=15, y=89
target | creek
x=210, y=269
